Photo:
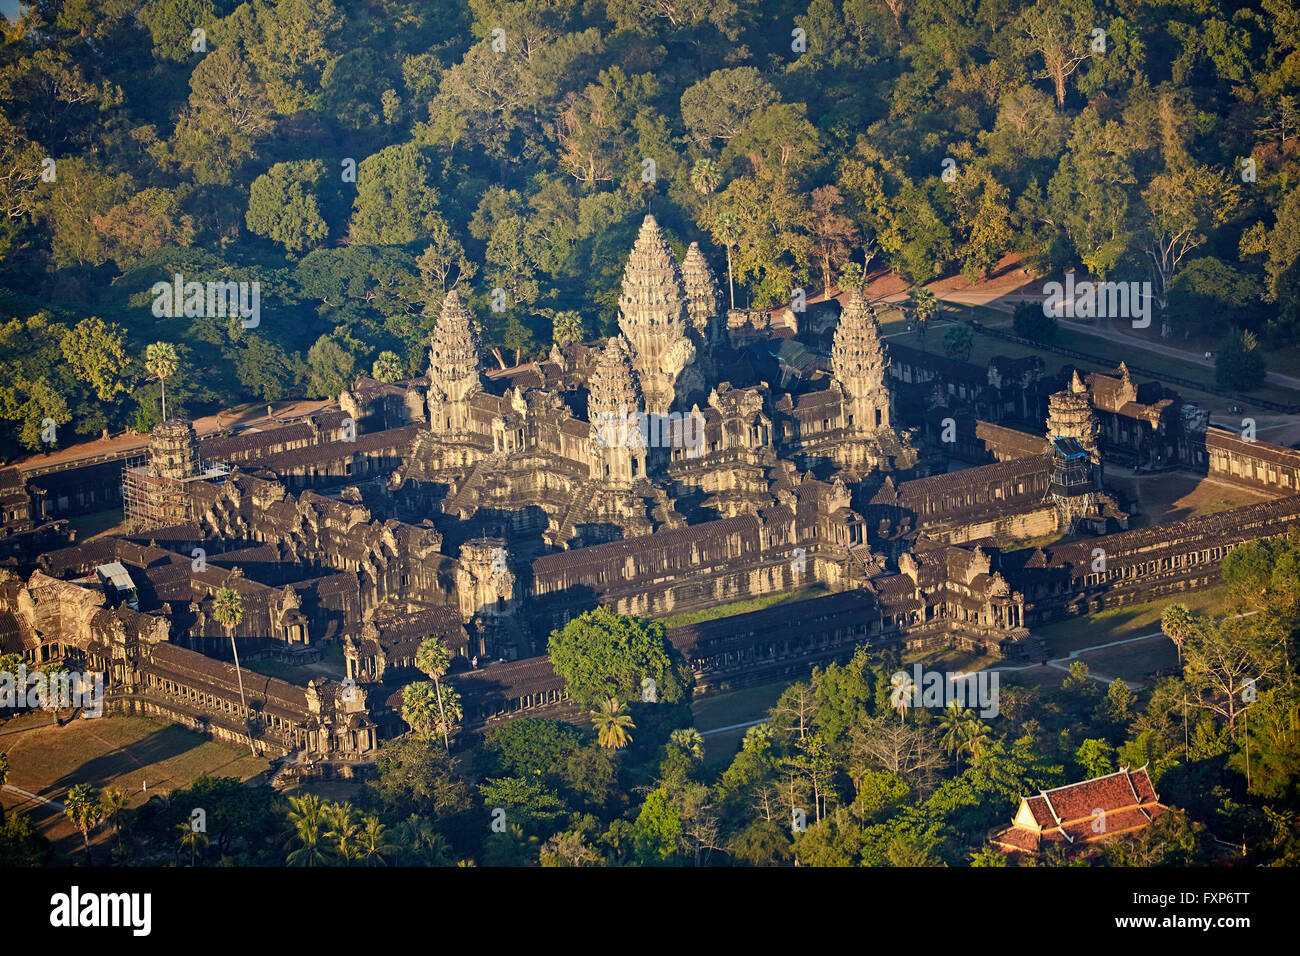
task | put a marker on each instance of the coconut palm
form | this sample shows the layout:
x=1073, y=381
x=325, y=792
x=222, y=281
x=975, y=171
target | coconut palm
x=372, y=842
x=191, y=839
x=342, y=827
x=228, y=611
x=161, y=361
x=434, y=659
x=114, y=802
x=952, y=724
x=903, y=692
x=612, y=724
x=306, y=816
x=1176, y=621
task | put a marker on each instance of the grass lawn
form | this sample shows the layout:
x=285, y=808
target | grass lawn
x=100, y=522
x=1120, y=623
x=742, y=607
x=737, y=707
x=331, y=664
x=126, y=752
x=1169, y=496
x=1132, y=662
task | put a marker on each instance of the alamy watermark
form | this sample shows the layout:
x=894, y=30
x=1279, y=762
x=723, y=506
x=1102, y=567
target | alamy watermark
x=622, y=429
x=1098, y=300
x=941, y=689
x=63, y=689
x=208, y=300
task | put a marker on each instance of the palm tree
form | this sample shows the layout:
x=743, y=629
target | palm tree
x=727, y=231
x=228, y=610
x=705, y=177
x=953, y=725
x=1176, y=621
x=189, y=837
x=161, y=361
x=373, y=841
x=689, y=740
x=114, y=802
x=925, y=306
x=342, y=828
x=434, y=659
x=85, y=811
x=612, y=724
x=419, y=707
x=902, y=693
x=305, y=816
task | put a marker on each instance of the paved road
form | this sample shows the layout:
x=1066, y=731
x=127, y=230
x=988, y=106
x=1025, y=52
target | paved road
x=31, y=796
x=1008, y=304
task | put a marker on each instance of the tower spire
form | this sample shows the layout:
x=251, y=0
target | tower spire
x=453, y=366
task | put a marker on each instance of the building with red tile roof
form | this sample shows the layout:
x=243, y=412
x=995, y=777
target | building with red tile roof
x=1082, y=813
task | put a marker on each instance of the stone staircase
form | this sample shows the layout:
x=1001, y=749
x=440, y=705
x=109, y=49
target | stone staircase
x=582, y=499
x=462, y=503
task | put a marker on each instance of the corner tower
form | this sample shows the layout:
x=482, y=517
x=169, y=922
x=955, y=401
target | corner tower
x=858, y=362
x=614, y=408
x=454, y=373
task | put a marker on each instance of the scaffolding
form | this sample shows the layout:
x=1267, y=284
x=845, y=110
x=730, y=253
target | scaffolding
x=154, y=501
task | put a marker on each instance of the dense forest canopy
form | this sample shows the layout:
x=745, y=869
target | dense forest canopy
x=357, y=160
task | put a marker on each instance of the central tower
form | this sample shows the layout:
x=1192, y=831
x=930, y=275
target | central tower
x=652, y=316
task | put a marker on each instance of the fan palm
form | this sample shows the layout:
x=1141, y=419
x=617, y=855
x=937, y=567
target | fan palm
x=228, y=611
x=1176, y=622
x=689, y=740
x=161, y=361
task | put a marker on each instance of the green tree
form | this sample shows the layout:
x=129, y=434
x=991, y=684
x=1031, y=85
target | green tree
x=1059, y=32
x=958, y=341
x=656, y=830
x=331, y=368
x=1096, y=757
x=95, y=352
x=1239, y=363
x=191, y=839
x=282, y=205
x=602, y=655
x=396, y=199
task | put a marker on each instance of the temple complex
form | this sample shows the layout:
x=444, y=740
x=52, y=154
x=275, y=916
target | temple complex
x=685, y=460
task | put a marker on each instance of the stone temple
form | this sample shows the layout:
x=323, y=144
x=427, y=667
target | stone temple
x=688, y=459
